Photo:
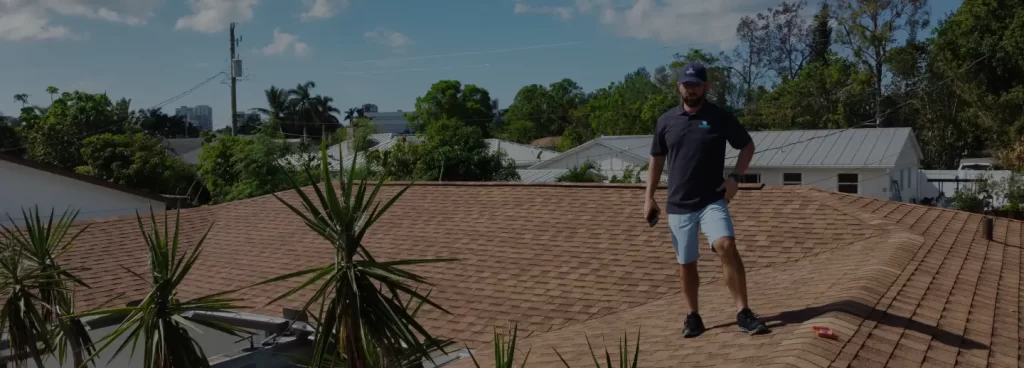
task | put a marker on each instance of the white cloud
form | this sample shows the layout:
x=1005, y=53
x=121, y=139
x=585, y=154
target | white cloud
x=282, y=42
x=25, y=20
x=562, y=12
x=388, y=37
x=676, y=21
x=210, y=16
x=322, y=9
x=301, y=49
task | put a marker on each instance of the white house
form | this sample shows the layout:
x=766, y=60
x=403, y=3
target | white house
x=524, y=155
x=612, y=156
x=875, y=162
x=25, y=184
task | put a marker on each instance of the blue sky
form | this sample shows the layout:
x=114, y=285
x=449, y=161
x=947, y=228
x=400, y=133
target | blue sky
x=386, y=52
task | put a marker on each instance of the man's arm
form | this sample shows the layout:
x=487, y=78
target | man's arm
x=654, y=168
x=659, y=149
x=740, y=139
x=743, y=160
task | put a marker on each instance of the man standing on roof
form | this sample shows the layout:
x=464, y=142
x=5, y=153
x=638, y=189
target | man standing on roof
x=692, y=136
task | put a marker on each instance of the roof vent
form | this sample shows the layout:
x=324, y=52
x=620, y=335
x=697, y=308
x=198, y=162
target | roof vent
x=987, y=226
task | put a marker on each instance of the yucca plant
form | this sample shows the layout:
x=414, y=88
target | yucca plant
x=504, y=350
x=623, y=360
x=161, y=321
x=360, y=298
x=38, y=291
x=385, y=356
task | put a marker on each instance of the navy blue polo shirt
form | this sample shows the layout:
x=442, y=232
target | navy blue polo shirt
x=694, y=148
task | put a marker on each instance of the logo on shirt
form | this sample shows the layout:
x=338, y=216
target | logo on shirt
x=703, y=124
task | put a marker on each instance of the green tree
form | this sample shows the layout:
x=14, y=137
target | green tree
x=21, y=97
x=450, y=151
x=52, y=91
x=450, y=100
x=628, y=107
x=58, y=135
x=830, y=95
x=303, y=113
x=11, y=140
x=870, y=29
x=540, y=111
x=587, y=172
x=234, y=167
x=277, y=105
x=159, y=124
x=138, y=161
x=979, y=48
x=820, y=35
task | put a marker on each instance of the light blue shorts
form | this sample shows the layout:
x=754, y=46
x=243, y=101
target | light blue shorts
x=714, y=221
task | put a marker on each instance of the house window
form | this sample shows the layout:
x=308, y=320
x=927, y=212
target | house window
x=848, y=183
x=792, y=178
x=750, y=178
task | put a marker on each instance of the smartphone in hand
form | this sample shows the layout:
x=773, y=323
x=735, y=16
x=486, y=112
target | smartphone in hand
x=652, y=218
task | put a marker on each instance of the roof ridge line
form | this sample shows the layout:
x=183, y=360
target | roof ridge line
x=524, y=145
x=859, y=300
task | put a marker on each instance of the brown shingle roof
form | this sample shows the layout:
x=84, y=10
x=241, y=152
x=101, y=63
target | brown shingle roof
x=898, y=282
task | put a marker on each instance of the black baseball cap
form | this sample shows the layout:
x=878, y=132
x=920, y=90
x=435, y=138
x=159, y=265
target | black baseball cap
x=692, y=73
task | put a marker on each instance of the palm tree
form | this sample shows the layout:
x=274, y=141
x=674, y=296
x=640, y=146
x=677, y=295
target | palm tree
x=301, y=101
x=21, y=97
x=277, y=104
x=52, y=91
x=356, y=292
x=160, y=320
x=325, y=111
x=40, y=300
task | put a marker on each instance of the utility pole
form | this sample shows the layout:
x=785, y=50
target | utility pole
x=234, y=80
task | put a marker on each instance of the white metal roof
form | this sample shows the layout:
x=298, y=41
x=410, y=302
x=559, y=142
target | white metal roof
x=878, y=147
x=522, y=154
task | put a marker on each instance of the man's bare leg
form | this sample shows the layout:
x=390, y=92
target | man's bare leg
x=690, y=280
x=736, y=279
x=733, y=270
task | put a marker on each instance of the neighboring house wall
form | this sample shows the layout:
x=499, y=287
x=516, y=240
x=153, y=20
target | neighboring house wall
x=906, y=169
x=25, y=187
x=868, y=182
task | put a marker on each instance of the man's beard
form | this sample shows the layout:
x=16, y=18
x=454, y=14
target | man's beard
x=692, y=101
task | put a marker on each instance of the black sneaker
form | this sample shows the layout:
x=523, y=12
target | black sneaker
x=748, y=322
x=694, y=326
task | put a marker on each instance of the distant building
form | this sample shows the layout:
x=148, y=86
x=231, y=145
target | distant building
x=201, y=116
x=247, y=117
x=387, y=122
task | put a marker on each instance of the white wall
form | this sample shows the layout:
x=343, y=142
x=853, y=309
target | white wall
x=906, y=171
x=24, y=187
x=871, y=182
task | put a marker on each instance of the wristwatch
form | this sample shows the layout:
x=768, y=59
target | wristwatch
x=734, y=176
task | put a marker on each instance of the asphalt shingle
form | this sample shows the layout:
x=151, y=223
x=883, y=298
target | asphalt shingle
x=903, y=285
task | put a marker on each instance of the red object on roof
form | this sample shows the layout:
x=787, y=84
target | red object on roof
x=825, y=332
